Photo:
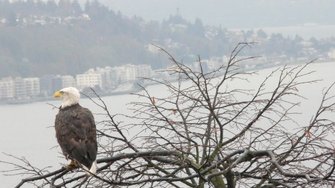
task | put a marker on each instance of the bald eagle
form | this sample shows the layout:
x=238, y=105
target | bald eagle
x=76, y=131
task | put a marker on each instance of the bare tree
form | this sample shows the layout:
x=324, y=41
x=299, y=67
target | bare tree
x=204, y=131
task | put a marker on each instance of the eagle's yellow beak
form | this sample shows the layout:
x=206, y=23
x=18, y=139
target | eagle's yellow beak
x=58, y=94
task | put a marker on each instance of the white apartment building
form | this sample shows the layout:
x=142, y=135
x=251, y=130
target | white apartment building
x=115, y=75
x=106, y=77
x=7, y=88
x=133, y=72
x=20, y=91
x=32, y=86
x=89, y=79
x=68, y=81
x=143, y=71
x=128, y=73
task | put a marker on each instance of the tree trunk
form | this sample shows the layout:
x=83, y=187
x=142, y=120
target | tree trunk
x=217, y=181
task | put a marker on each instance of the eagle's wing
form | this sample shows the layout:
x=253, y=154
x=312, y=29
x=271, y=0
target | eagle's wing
x=76, y=134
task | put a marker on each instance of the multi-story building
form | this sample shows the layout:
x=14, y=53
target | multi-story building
x=6, y=88
x=143, y=71
x=128, y=73
x=32, y=86
x=20, y=91
x=106, y=78
x=89, y=79
x=68, y=81
x=115, y=75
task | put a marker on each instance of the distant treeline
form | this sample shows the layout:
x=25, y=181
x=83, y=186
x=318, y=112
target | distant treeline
x=45, y=37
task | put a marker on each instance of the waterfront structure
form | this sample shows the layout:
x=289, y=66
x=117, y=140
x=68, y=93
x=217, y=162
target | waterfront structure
x=129, y=72
x=143, y=71
x=6, y=88
x=107, y=82
x=32, y=86
x=89, y=79
x=68, y=81
x=19, y=88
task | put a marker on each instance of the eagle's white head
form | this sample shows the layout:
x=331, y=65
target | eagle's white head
x=68, y=95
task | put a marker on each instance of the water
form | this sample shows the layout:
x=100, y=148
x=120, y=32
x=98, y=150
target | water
x=27, y=129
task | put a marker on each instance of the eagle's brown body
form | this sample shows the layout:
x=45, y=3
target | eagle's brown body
x=76, y=134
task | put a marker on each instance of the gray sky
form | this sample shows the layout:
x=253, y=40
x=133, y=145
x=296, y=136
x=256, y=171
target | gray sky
x=232, y=13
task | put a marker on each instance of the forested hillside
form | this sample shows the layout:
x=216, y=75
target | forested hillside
x=38, y=38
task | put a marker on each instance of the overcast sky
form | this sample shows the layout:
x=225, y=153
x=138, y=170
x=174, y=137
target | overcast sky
x=232, y=13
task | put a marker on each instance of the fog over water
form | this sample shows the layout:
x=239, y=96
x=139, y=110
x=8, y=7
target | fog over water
x=27, y=129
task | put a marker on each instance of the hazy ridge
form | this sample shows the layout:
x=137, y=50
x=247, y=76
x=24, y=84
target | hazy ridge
x=39, y=38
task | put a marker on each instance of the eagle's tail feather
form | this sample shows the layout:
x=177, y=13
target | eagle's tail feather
x=92, y=170
x=94, y=167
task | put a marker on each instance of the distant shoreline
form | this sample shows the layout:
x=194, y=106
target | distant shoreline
x=120, y=92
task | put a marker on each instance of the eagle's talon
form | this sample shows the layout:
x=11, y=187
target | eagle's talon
x=73, y=165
